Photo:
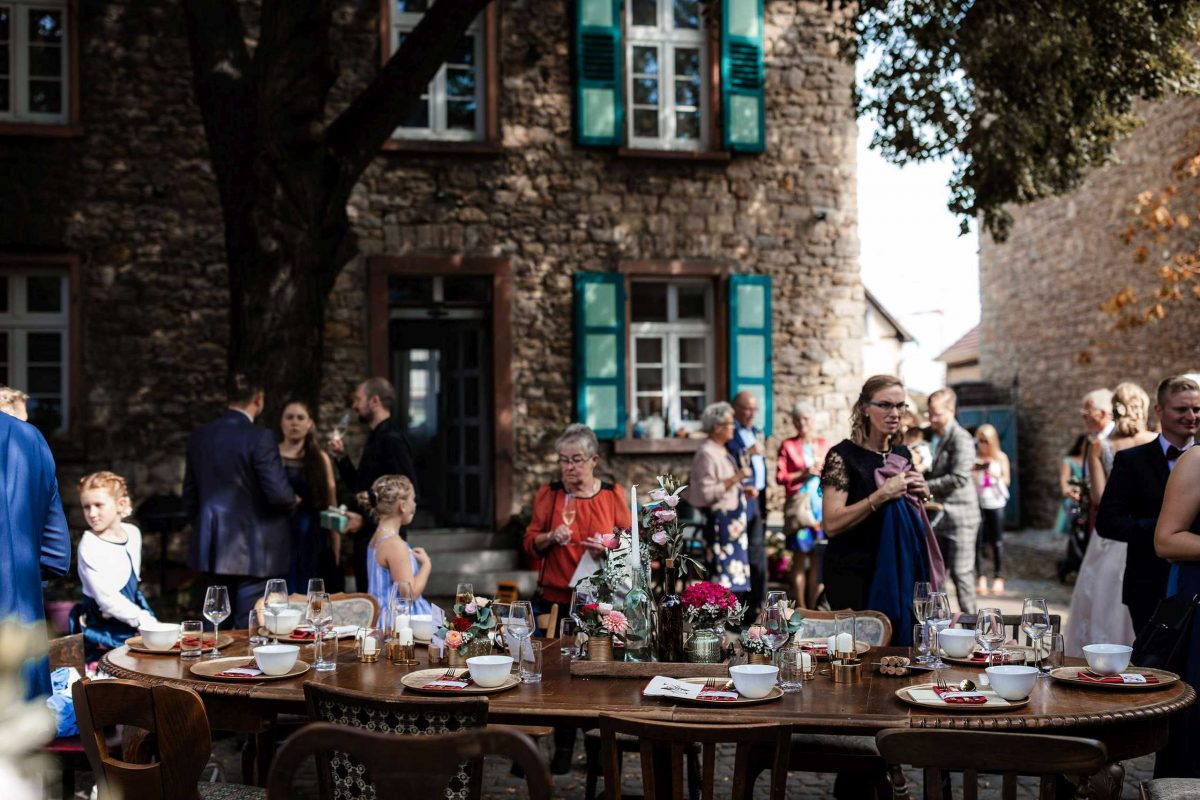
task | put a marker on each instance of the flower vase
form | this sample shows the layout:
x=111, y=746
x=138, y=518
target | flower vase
x=600, y=647
x=670, y=617
x=758, y=658
x=705, y=646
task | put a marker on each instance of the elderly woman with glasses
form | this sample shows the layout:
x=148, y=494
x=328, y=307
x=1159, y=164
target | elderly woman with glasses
x=716, y=489
x=570, y=515
x=880, y=542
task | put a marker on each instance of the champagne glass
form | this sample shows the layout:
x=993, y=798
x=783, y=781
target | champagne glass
x=275, y=600
x=921, y=592
x=989, y=632
x=465, y=593
x=339, y=430
x=568, y=510
x=938, y=620
x=774, y=623
x=216, y=611
x=1035, y=622
x=320, y=615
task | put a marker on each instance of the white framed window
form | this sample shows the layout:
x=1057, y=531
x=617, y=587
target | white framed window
x=34, y=61
x=666, y=61
x=452, y=107
x=34, y=342
x=671, y=344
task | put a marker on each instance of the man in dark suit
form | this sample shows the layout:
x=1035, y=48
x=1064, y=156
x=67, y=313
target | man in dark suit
x=386, y=452
x=747, y=445
x=238, y=498
x=1133, y=495
x=951, y=484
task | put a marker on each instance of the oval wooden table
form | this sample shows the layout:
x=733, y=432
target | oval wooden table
x=1130, y=723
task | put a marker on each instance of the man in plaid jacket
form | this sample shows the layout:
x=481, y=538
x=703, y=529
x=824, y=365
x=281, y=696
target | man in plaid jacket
x=949, y=480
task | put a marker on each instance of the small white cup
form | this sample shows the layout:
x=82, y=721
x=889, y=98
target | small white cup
x=490, y=671
x=1107, y=659
x=754, y=680
x=283, y=623
x=159, y=635
x=1012, y=681
x=957, y=642
x=276, y=659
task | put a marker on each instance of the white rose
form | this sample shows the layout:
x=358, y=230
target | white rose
x=605, y=608
x=481, y=602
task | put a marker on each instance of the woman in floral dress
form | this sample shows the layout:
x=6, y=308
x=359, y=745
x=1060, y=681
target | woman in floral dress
x=716, y=489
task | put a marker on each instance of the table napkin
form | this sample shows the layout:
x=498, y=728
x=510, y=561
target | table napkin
x=718, y=696
x=662, y=686
x=1124, y=677
x=959, y=698
x=448, y=685
x=338, y=631
x=239, y=672
x=980, y=657
x=928, y=695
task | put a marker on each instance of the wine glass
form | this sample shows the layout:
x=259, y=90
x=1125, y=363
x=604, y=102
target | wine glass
x=773, y=620
x=938, y=619
x=320, y=615
x=465, y=593
x=1035, y=622
x=315, y=585
x=520, y=623
x=568, y=510
x=275, y=600
x=921, y=592
x=339, y=430
x=216, y=611
x=989, y=632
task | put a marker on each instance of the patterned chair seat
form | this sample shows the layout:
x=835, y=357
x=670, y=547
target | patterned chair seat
x=871, y=627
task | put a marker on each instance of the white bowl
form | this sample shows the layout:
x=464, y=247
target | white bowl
x=159, y=635
x=422, y=625
x=1012, y=681
x=1107, y=659
x=754, y=680
x=490, y=671
x=276, y=659
x=284, y=623
x=957, y=642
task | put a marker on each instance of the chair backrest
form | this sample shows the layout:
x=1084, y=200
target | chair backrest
x=407, y=766
x=975, y=752
x=173, y=718
x=355, y=608
x=67, y=651
x=1012, y=622
x=548, y=622
x=506, y=592
x=872, y=627
x=663, y=745
x=339, y=772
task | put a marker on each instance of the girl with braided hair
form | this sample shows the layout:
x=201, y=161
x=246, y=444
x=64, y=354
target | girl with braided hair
x=392, y=501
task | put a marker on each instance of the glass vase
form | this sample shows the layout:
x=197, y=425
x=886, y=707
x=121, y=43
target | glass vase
x=705, y=646
x=639, y=612
x=670, y=617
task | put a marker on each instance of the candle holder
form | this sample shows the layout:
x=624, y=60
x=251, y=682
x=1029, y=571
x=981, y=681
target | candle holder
x=845, y=648
x=808, y=666
x=402, y=655
x=368, y=642
x=846, y=672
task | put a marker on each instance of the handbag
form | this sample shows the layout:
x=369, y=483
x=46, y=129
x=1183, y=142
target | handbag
x=1163, y=642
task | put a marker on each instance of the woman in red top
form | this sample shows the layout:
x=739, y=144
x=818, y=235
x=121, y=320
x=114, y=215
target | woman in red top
x=561, y=540
x=799, y=473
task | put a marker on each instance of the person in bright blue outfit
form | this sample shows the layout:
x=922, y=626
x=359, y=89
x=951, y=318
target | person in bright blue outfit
x=392, y=501
x=34, y=541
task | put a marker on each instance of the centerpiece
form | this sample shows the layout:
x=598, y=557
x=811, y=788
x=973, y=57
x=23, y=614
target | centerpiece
x=661, y=520
x=602, y=622
x=709, y=607
x=754, y=646
x=468, y=632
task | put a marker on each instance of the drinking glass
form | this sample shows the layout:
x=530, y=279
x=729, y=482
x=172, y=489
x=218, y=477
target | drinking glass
x=938, y=620
x=339, y=430
x=568, y=510
x=320, y=615
x=989, y=632
x=921, y=592
x=315, y=585
x=919, y=650
x=275, y=600
x=791, y=669
x=1035, y=622
x=530, y=670
x=519, y=622
x=780, y=599
x=216, y=611
x=191, y=638
x=774, y=625
x=568, y=644
x=254, y=627
x=1055, y=652
x=464, y=594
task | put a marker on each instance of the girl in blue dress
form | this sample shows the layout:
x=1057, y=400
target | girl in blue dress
x=392, y=501
x=110, y=561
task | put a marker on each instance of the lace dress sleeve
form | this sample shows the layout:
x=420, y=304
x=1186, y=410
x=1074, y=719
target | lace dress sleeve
x=834, y=475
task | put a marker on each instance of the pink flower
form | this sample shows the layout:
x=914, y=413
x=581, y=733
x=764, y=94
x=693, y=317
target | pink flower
x=671, y=501
x=454, y=640
x=659, y=538
x=611, y=541
x=658, y=495
x=663, y=515
x=615, y=622
x=605, y=609
x=755, y=632
x=471, y=608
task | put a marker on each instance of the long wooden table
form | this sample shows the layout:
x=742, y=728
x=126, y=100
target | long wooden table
x=1130, y=723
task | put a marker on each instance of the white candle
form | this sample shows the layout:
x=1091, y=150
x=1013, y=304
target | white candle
x=402, y=622
x=404, y=636
x=845, y=644
x=370, y=646
x=636, y=560
x=805, y=662
x=832, y=645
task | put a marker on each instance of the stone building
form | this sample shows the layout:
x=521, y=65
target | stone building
x=883, y=340
x=611, y=210
x=1042, y=331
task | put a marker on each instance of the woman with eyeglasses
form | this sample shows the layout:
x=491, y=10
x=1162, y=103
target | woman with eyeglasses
x=880, y=542
x=715, y=488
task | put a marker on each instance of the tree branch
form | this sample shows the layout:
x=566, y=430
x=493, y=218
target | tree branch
x=357, y=135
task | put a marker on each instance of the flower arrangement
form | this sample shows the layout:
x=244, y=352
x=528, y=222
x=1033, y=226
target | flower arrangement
x=707, y=605
x=471, y=621
x=660, y=522
x=752, y=641
x=602, y=618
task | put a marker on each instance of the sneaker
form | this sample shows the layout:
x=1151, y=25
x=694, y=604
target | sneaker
x=981, y=587
x=998, y=586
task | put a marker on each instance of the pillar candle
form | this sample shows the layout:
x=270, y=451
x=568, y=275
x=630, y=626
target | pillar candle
x=370, y=646
x=404, y=636
x=845, y=644
x=805, y=662
x=402, y=622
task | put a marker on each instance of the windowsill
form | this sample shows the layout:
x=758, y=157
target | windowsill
x=449, y=147
x=40, y=130
x=640, y=446
x=711, y=156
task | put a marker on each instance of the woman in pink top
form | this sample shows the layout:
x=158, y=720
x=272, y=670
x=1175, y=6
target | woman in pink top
x=799, y=473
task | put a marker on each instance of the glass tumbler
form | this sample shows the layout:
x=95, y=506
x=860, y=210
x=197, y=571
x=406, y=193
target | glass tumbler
x=531, y=661
x=191, y=638
x=790, y=661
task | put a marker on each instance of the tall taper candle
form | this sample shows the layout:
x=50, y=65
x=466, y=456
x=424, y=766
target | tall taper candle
x=636, y=561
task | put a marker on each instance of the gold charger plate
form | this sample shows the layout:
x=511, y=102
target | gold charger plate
x=209, y=669
x=861, y=647
x=940, y=705
x=1070, y=675
x=417, y=680
x=134, y=643
x=771, y=697
x=967, y=662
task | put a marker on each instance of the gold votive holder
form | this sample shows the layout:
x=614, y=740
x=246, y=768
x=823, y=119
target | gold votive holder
x=847, y=672
x=808, y=666
x=402, y=655
x=368, y=644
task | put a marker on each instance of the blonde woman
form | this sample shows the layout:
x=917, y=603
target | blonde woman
x=1097, y=614
x=392, y=501
x=992, y=479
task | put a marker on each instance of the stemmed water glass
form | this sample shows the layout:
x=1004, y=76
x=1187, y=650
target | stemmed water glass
x=320, y=615
x=216, y=611
x=519, y=624
x=773, y=620
x=1035, y=622
x=938, y=619
x=989, y=632
x=275, y=600
x=921, y=592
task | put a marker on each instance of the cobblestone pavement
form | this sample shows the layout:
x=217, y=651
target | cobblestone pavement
x=1030, y=570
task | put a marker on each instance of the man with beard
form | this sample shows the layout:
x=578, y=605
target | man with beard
x=386, y=452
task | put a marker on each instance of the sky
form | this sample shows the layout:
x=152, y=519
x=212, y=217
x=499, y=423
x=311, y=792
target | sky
x=913, y=260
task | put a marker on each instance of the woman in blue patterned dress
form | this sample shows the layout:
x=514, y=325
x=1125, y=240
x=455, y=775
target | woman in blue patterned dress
x=716, y=488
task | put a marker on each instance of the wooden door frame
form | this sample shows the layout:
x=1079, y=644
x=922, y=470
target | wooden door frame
x=380, y=268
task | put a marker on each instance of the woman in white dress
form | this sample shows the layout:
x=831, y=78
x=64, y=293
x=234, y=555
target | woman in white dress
x=1097, y=614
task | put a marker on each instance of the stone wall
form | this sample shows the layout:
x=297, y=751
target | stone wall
x=1042, y=330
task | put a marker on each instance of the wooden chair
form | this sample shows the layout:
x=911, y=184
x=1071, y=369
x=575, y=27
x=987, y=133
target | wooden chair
x=67, y=651
x=406, y=766
x=975, y=752
x=506, y=592
x=548, y=622
x=338, y=771
x=872, y=627
x=662, y=746
x=349, y=608
x=176, y=735
x=1013, y=622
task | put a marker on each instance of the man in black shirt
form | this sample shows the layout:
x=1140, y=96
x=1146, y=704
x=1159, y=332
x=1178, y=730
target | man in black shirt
x=386, y=452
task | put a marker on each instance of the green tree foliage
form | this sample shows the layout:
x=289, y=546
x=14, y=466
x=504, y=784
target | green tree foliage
x=1023, y=95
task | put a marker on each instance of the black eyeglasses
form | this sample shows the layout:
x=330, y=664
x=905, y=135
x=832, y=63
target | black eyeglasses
x=888, y=408
x=575, y=462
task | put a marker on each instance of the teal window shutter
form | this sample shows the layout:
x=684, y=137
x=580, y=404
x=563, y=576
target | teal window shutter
x=600, y=352
x=750, y=342
x=599, y=111
x=742, y=104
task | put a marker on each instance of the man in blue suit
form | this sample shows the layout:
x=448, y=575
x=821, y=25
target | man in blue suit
x=238, y=497
x=34, y=542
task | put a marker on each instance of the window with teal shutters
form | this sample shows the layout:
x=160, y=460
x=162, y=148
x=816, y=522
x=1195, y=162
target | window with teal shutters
x=750, y=342
x=742, y=104
x=599, y=110
x=599, y=337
